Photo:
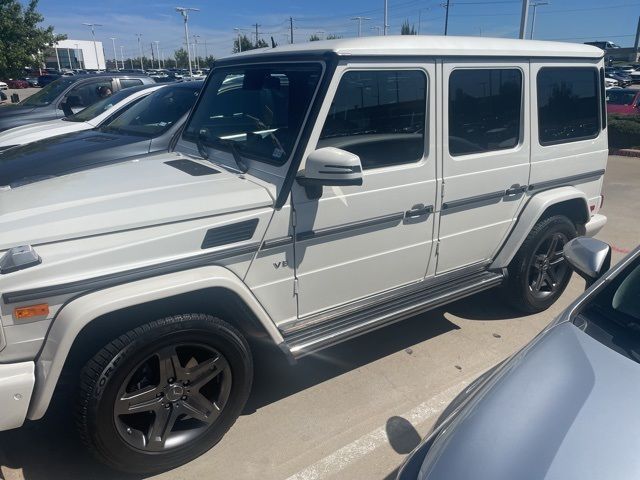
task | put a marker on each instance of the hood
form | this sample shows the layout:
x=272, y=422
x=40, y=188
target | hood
x=16, y=115
x=37, y=131
x=565, y=409
x=137, y=193
x=65, y=154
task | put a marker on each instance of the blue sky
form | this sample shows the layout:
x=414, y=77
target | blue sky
x=570, y=20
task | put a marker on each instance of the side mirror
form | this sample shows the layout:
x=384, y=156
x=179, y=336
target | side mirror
x=330, y=166
x=588, y=257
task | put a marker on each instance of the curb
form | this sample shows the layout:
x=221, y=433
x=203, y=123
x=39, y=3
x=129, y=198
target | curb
x=625, y=152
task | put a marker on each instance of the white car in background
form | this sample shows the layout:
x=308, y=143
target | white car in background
x=4, y=86
x=610, y=82
x=86, y=119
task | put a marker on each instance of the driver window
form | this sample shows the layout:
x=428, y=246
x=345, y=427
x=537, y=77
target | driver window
x=379, y=116
x=85, y=95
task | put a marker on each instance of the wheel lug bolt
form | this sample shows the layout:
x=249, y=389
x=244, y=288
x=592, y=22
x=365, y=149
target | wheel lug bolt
x=129, y=431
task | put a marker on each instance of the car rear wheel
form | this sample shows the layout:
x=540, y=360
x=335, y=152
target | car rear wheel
x=164, y=393
x=538, y=274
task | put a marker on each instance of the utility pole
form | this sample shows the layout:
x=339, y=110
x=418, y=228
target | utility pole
x=523, y=18
x=157, y=42
x=195, y=51
x=533, y=16
x=291, y=28
x=93, y=34
x=153, y=55
x=184, y=11
x=386, y=17
x=360, y=19
x=239, y=40
x=446, y=16
x=637, y=42
x=139, y=35
x=115, y=54
x=256, y=25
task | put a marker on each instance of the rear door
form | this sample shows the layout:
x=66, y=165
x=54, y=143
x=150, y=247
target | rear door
x=485, y=158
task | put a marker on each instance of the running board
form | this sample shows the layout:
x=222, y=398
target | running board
x=312, y=336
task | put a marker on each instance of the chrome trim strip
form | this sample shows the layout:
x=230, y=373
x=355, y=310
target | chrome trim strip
x=276, y=242
x=118, y=278
x=582, y=177
x=346, y=227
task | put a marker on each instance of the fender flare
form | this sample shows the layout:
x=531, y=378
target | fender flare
x=78, y=313
x=531, y=213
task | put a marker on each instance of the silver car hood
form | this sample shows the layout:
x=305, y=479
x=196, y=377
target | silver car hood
x=566, y=409
x=132, y=194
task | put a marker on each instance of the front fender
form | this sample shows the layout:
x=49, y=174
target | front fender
x=78, y=313
x=531, y=213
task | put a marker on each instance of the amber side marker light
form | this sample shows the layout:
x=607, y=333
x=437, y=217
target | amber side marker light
x=32, y=311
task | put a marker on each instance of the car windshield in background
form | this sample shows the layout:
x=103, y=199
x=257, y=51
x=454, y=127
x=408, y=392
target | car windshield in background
x=48, y=94
x=613, y=317
x=259, y=108
x=620, y=97
x=155, y=114
x=101, y=106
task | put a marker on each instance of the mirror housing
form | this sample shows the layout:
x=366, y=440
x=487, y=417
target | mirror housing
x=588, y=257
x=330, y=166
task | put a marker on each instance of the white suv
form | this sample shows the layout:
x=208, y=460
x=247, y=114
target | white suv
x=317, y=192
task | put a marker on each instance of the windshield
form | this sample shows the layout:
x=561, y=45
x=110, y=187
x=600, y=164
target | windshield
x=101, y=106
x=155, y=114
x=620, y=97
x=259, y=108
x=48, y=94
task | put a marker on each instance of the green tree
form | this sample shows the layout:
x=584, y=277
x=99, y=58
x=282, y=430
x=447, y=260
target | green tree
x=207, y=61
x=261, y=44
x=314, y=38
x=406, y=29
x=182, y=58
x=245, y=43
x=22, y=39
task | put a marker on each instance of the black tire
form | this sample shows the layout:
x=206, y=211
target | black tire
x=553, y=274
x=212, y=370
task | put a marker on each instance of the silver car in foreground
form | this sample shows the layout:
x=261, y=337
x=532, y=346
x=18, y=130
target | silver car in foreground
x=566, y=405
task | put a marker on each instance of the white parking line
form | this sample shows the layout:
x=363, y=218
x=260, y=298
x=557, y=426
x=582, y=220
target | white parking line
x=343, y=457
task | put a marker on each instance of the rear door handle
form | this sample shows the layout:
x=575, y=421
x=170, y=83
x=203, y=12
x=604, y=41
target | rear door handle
x=515, y=189
x=418, y=211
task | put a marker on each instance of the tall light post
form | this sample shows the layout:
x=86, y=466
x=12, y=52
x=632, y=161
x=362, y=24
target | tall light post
x=446, y=16
x=360, y=19
x=195, y=50
x=93, y=34
x=239, y=40
x=523, y=18
x=115, y=55
x=533, y=15
x=122, y=55
x=157, y=42
x=139, y=35
x=184, y=11
x=377, y=28
x=386, y=16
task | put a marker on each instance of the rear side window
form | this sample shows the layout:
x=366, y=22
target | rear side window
x=130, y=82
x=568, y=104
x=485, y=110
x=379, y=116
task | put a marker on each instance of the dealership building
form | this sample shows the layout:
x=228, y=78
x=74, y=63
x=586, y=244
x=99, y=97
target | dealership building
x=71, y=54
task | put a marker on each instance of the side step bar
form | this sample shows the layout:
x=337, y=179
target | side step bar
x=303, y=340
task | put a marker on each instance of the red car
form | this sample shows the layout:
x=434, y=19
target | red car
x=17, y=84
x=623, y=101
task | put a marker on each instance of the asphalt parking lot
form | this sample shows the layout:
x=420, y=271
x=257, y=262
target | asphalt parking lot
x=22, y=93
x=357, y=409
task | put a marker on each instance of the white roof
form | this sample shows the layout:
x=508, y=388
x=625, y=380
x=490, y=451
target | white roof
x=432, y=45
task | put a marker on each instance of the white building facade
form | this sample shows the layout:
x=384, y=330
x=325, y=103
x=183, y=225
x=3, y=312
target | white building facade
x=73, y=54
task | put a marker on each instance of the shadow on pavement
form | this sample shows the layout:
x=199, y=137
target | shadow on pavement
x=50, y=449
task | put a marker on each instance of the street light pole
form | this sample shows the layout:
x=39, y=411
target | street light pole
x=533, y=16
x=239, y=40
x=157, y=42
x=446, y=16
x=115, y=55
x=377, y=28
x=122, y=56
x=195, y=51
x=184, y=11
x=93, y=34
x=523, y=18
x=360, y=19
x=386, y=17
x=139, y=35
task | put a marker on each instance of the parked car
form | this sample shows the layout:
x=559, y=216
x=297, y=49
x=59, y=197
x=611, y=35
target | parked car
x=3, y=96
x=604, y=45
x=622, y=78
x=102, y=111
x=17, y=84
x=47, y=78
x=610, y=82
x=3, y=86
x=625, y=101
x=315, y=193
x=635, y=76
x=64, y=97
x=588, y=357
x=147, y=126
x=32, y=81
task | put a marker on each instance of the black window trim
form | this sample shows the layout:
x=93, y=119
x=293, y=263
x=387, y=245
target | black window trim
x=390, y=68
x=598, y=93
x=521, y=134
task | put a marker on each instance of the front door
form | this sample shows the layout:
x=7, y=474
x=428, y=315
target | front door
x=486, y=146
x=357, y=241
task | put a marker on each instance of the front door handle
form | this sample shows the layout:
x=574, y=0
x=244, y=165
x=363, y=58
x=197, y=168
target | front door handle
x=515, y=189
x=418, y=211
